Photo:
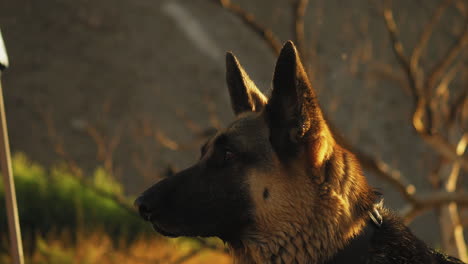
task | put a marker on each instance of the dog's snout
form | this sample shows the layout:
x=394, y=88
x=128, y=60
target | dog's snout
x=143, y=208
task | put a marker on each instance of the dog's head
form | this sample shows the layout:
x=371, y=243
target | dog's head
x=260, y=173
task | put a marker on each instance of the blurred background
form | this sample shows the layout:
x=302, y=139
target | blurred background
x=105, y=98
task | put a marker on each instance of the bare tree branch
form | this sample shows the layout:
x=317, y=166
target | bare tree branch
x=436, y=199
x=162, y=138
x=212, y=111
x=425, y=36
x=460, y=102
x=441, y=67
x=445, y=148
x=105, y=146
x=400, y=53
x=418, y=204
x=300, y=7
x=77, y=173
x=189, y=123
x=266, y=34
x=411, y=73
x=452, y=233
x=57, y=142
x=392, y=176
x=383, y=71
x=442, y=94
x=436, y=141
x=432, y=200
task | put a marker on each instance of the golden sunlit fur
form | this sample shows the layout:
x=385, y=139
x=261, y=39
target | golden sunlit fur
x=309, y=215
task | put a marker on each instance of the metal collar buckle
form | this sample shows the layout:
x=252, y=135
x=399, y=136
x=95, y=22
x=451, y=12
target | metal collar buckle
x=376, y=217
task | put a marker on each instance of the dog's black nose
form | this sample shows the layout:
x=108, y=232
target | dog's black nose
x=143, y=208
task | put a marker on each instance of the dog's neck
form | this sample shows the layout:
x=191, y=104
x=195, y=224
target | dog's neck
x=297, y=244
x=333, y=221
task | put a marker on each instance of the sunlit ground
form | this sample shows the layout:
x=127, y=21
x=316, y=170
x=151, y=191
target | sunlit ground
x=99, y=248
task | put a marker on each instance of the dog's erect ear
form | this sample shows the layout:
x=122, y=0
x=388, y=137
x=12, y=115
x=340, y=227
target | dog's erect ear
x=244, y=94
x=294, y=115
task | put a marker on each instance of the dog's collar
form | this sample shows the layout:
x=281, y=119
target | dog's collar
x=357, y=251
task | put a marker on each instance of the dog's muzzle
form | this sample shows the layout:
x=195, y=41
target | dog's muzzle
x=143, y=208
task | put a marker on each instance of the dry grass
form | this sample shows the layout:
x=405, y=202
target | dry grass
x=98, y=247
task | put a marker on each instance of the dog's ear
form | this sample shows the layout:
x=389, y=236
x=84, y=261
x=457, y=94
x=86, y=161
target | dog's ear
x=244, y=94
x=294, y=115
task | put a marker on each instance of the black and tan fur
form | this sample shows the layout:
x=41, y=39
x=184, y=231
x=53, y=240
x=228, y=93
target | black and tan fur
x=277, y=187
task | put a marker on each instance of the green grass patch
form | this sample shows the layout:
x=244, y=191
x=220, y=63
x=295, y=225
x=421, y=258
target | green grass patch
x=54, y=200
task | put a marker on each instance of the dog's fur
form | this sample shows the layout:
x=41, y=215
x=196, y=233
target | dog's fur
x=277, y=187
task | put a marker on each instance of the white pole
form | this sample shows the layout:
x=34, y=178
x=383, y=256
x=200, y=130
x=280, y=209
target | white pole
x=8, y=181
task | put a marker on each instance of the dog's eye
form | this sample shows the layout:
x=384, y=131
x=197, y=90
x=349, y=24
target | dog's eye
x=228, y=155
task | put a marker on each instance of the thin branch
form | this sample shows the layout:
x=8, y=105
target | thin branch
x=452, y=240
x=77, y=173
x=425, y=36
x=400, y=53
x=442, y=94
x=57, y=142
x=411, y=73
x=450, y=56
x=436, y=141
x=460, y=102
x=445, y=148
x=418, y=204
x=392, y=176
x=437, y=199
x=165, y=141
x=189, y=123
x=105, y=146
x=414, y=63
x=381, y=71
x=433, y=200
x=266, y=34
x=300, y=7
x=212, y=111
x=434, y=174
x=162, y=138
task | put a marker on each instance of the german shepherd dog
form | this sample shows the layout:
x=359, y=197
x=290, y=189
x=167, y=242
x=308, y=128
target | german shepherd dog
x=277, y=187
